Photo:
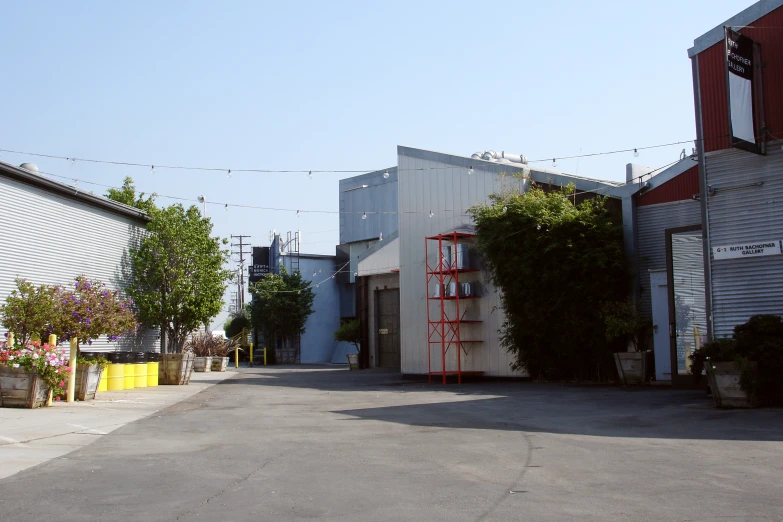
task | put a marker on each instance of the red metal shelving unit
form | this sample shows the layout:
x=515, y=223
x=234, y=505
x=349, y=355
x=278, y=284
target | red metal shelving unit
x=444, y=324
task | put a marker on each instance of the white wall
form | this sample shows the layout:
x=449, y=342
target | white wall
x=51, y=239
x=448, y=190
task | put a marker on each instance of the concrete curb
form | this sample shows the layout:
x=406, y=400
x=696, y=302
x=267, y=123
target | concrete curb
x=30, y=437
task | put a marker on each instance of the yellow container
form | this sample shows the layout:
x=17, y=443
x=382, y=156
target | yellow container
x=152, y=373
x=141, y=375
x=116, y=377
x=103, y=383
x=130, y=376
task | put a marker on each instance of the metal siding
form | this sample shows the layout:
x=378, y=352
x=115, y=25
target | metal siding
x=448, y=191
x=712, y=76
x=739, y=213
x=652, y=221
x=50, y=239
x=378, y=200
x=678, y=188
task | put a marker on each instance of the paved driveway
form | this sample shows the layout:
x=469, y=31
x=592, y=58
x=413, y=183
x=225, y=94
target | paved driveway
x=317, y=443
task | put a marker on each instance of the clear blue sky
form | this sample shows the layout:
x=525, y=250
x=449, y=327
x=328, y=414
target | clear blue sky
x=338, y=85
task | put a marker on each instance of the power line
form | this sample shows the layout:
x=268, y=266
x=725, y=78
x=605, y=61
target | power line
x=154, y=167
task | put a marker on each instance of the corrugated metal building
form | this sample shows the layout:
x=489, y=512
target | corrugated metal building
x=435, y=192
x=53, y=232
x=742, y=192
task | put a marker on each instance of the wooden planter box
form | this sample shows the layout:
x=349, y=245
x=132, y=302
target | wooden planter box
x=175, y=368
x=22, y=389
x=202, y=364
x=631, y=367
x=88, y=377
x=219, y=364
x=724, y=379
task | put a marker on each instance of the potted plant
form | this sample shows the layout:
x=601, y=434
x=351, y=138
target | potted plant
x=351, y=332
x=623, y=323
x=744, y=370
x=30, y=373
x=89, y=370
x=203, y=345
x=220, y=357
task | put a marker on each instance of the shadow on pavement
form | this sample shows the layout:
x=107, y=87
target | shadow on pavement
x=603, y=411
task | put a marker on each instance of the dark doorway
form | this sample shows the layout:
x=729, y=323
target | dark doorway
x=687, y=311
x=388, y=332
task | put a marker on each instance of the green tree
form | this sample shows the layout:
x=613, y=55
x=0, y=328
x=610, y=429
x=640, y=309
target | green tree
x=350, y=332
x=236, y=322
x=178, y=274
x=555, y=264
x=127, y=195
x=281, y=305
x=28, y=310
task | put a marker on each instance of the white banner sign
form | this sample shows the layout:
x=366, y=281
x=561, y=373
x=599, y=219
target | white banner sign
x=755, y=249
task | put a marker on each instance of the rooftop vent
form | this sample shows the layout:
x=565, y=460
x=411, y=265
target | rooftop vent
x=500, y=157
x=32, y=167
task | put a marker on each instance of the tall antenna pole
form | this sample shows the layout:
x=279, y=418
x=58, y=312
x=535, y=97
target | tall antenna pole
x=241, y=279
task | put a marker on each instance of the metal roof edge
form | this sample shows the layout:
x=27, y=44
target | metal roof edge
x=538, y=174
x=657, y=180
x=356, y=180
x=742, y=19
x=40, y=181
x=378, y=246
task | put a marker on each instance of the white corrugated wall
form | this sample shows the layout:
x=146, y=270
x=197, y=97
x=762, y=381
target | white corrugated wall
x=448, y=191
x=747, y=205
x=651, y=223
x=51, y=239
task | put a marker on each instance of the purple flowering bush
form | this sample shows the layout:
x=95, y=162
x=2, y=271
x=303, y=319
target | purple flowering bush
x=85, y=313
x=91, y=310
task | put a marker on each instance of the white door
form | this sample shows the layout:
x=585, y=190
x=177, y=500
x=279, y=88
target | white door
x=659, y=294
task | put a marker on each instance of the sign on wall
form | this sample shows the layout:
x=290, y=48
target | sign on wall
x=752, y=249
x=740, y=58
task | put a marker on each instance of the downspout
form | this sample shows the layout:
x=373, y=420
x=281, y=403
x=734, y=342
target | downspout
x=704, y=195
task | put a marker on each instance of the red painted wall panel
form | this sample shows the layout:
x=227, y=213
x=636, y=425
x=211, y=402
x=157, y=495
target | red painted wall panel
x=768, y=31
x=682, y=187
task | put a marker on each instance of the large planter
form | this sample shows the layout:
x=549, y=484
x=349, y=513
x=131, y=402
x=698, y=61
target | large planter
x=22, y=389
x=724, y=379
x=631, y=367
x=88, y=377
x=219, y=364
x=175, y=368
x=353, y=361
x=202, y=364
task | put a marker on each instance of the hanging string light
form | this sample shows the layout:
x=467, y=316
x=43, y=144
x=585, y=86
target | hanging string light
x=386, y=175
x=635, y=153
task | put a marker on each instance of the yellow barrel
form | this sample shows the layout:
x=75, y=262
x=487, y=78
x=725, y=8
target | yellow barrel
x=130, y=376
x=116, y=377
x=141, y=375
x=103, y=383
x=152, y=373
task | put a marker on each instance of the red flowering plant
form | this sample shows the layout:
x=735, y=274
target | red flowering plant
x=91, y=310
x=44, y=359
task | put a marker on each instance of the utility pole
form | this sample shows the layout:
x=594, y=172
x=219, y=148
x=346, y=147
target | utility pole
x=242, y=252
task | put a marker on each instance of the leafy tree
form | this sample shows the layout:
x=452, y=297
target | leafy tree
x=178, y=274
x=28, y=310
x=127, y=195
x=281, y=305
x=555, y=264
x=236, y=322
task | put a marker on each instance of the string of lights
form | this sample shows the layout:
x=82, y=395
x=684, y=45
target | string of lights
x=154, y=168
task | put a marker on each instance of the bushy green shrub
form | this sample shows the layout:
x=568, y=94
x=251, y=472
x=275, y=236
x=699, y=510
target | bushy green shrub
x=759, y=340
x=555, y=264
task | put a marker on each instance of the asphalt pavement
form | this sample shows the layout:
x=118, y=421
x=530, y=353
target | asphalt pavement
x=330, y=444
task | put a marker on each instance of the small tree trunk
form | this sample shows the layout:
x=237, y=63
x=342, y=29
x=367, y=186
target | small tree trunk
x=163, y=338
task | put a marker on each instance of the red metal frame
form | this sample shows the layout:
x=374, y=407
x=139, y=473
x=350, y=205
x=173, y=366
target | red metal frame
x=444, y=329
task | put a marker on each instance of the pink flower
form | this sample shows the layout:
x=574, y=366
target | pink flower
x=57, y=399
x=61, y=384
